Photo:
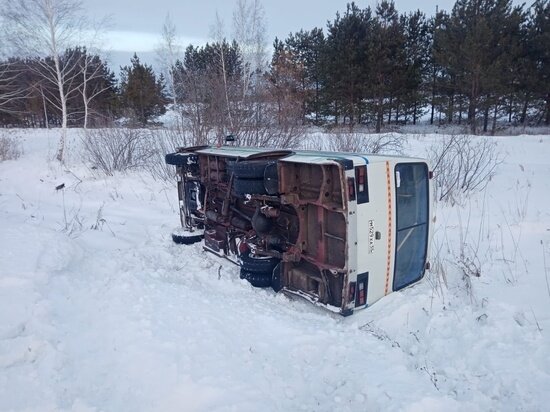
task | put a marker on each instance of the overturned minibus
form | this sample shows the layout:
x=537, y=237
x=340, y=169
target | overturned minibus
x=339, y=229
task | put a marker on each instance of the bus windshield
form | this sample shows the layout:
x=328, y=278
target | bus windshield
x=412, y=203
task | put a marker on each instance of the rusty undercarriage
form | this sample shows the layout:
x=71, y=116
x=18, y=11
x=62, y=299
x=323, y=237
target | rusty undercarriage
x=284, y=222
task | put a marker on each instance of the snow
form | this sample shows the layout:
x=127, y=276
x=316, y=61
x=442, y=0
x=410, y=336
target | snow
x=101, y=311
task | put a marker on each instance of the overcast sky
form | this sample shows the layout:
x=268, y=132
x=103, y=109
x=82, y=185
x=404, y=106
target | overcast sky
x=137, y=28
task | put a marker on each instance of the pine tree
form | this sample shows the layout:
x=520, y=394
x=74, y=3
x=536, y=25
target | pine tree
x=344, y=58
x=539, y=55
x=477, y=49
x=305, y=49
x=286, y=85
x=141, y=92
x=417, y=50
x=386, y=60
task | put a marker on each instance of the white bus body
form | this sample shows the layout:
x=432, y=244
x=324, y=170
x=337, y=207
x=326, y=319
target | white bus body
x=339, y=229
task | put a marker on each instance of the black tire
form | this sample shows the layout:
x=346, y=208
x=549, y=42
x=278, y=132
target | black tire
x=258, y=280
x=176, y=159
x=249, y=187
x=251, y=169
x=259, y=264
x=186, y=239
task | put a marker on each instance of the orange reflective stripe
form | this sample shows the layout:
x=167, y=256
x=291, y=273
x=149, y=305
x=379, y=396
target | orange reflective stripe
x=388, y=255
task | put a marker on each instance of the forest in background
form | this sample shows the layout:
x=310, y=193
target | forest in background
x=484, y=64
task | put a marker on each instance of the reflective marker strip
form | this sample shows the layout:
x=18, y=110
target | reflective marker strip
x=388, y=257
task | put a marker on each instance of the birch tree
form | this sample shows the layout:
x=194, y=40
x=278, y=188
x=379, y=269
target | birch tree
x=10, y=92
x=168, y=53
x=218, y=34
x=47, y=28
x=92, y=70
x=249, y=31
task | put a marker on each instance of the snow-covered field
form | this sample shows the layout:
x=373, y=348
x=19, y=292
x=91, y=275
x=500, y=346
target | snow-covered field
x=100, y=311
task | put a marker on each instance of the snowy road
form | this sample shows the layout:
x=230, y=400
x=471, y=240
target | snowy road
x=100, y=311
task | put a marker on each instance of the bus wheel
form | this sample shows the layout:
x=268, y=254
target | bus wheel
x=258, y=280
x=259, y=264
x=186, y=238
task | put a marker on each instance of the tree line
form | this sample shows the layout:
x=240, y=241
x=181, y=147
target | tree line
x=484, y=63
x=94, y=96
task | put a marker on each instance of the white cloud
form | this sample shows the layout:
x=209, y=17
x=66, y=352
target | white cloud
x=135, y=41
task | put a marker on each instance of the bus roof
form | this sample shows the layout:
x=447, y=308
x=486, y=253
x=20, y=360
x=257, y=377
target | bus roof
x=299, y=156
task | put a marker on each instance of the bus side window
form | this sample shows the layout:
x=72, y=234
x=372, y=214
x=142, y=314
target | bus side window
x=362, y=191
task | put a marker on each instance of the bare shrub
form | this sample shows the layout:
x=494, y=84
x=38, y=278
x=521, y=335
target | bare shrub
x=273, y=120
x=342, y=141
x=117, y=149
x=469, y=266
x=161, y=142
x=460, y=261
x=454, y=265
x=463, y=165
x=270, y=135
x=10, y=149
x=438, y=271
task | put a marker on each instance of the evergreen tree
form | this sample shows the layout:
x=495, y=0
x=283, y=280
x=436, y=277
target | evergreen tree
x=305, y=49
x=141, y=92
x=507, y=22
x=525, y=79
x=417, y=51
x=476, y=47
x=539, y=56
x=386, y=59
x=286, y=85
x=344, y=60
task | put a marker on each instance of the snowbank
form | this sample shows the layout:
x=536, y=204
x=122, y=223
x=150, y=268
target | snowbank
x=100, y=311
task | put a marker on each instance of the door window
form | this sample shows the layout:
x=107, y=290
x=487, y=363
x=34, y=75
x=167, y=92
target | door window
x=412, y=203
